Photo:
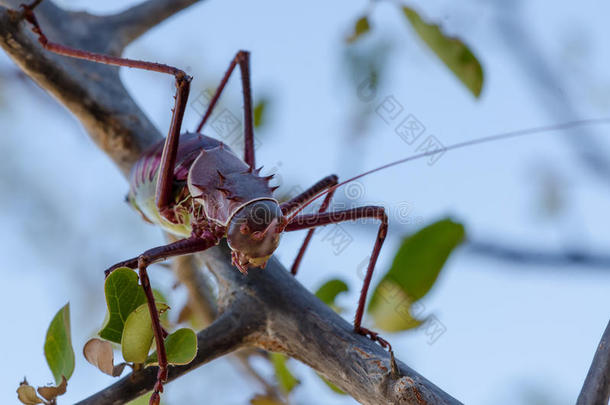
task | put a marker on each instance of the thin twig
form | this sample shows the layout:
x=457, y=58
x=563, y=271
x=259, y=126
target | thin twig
x=526, y=255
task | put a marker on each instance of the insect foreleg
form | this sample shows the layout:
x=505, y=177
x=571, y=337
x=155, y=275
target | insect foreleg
x=181, y=247
x=243, y=59
x=307, y=221
x=157, y=331
x=305, y=196
x=170, y=149
x=159, y=253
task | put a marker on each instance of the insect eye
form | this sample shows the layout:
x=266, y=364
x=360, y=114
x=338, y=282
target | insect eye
x=257, y=235
x=244, y=229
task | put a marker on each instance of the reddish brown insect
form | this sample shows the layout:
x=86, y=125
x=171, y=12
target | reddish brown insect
x=197, y=188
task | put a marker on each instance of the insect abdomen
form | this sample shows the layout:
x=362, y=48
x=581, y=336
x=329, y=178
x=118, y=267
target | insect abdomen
x=143, y=183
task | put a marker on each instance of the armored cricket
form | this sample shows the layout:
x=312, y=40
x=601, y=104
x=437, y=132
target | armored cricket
x=198, y=189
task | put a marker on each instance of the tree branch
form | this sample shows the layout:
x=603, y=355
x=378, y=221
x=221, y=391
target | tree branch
x=268, y=309
x=531, y=256
x=282, y=316
x=226, y=334
x=92, y=92
x=596, y=389
x=137, y=20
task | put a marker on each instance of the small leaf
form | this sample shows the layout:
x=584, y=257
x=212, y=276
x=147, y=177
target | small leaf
x=392, y=308
x=266, y=400
x=259, y=112
x=284, y=377
x=101, y=355
x=332, y=386
x=163, y=316
x=361, y=26
x=58, y=345
x=123, y=295
x=329, y=291
x=50, y=393
x=180, y=346
x=138, y=334
x=453, y=52
x=142, y=400
x=27, y=394
x=416, y=267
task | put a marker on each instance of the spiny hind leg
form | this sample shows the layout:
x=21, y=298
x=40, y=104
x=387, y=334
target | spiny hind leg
x=242, y=58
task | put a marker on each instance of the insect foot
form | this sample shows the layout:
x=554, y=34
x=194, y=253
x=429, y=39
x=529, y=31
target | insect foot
x=374, y=336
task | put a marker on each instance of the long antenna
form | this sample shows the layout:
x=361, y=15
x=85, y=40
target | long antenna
x=460, y=145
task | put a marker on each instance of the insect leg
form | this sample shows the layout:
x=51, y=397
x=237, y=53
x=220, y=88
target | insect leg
x=243, y=59
x=324, y=184
x=296, y=202
x=160, y=253
x=170, y=149
x=181, y=247
x=307, y=221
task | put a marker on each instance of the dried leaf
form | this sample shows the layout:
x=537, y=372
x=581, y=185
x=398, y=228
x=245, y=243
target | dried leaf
x=50, y=393
x=27, y=394
x=100, y=353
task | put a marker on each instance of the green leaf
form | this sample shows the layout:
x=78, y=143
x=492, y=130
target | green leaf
x=138, y=334
x=284, y=377
x=416, y=267
x=58, y=346
x=391, y=308
x=142, y=400
x=332, y=386
x=123, y=295
x=259, y=112
x=361, y=26
x=180, y=346
x=329, y=291
x=453, y=52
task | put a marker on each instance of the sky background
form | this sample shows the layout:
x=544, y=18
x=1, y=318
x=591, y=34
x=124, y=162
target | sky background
x=515, y=333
